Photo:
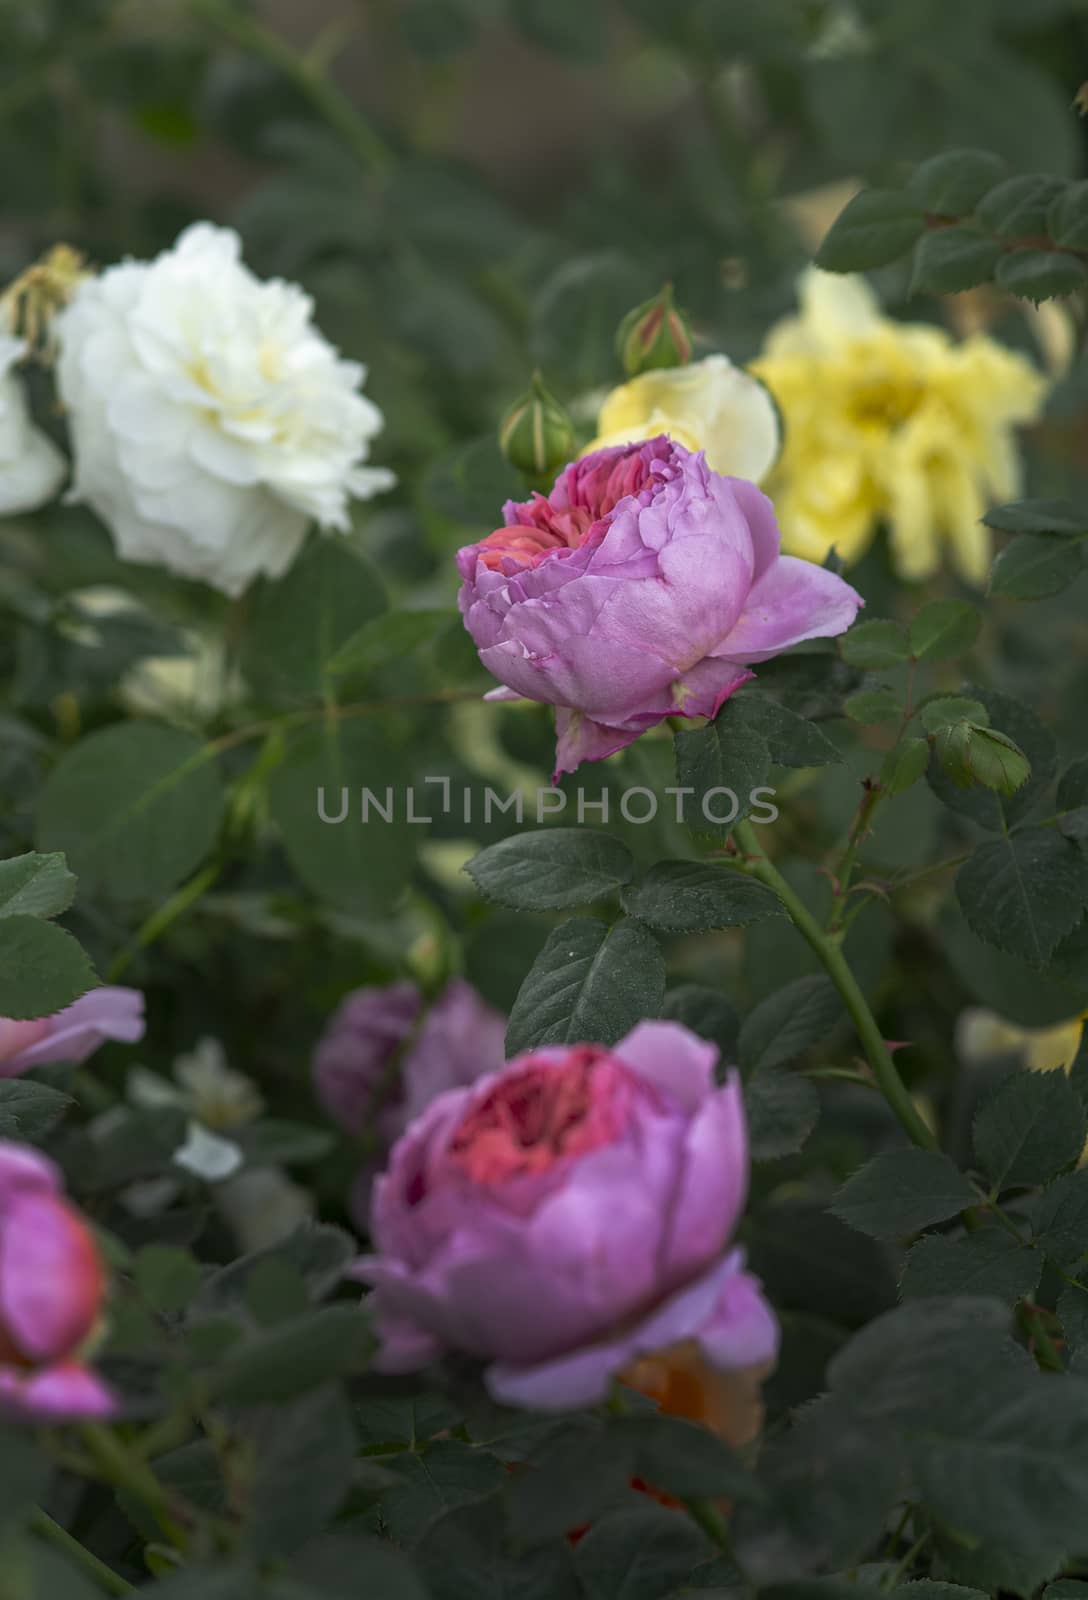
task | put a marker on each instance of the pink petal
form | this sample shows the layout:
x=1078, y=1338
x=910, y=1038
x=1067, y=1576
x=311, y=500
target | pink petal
x=672, y=1058
x=792, y=601
x=25, y=1171
x=78, y=1030
x=51, y=1281
x=66, y=1392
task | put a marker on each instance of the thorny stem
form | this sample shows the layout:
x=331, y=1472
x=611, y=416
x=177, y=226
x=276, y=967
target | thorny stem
x=838, y=970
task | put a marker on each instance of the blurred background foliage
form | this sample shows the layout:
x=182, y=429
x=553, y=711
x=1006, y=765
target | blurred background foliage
x=470, y=188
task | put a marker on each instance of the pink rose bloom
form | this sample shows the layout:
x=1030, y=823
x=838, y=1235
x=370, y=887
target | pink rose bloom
x=72, y=1034
x=567, y=1215
x=458, y=1040
x=52, y=1286
x=642, y=587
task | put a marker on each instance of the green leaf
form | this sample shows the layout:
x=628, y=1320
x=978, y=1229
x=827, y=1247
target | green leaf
x=24, y=1474
x=1035, y=567
x=1073, y=1310
x=943, y=630
x=301, y=1458
x=788, y=1023
x=874, y=707
x=1040, y=274
x=952, y=184
x=1073, y=786
x=902, y=1191
x=166, y=1278
x=696, y=896
x=465, y=1556
x=386, y=640
x=42, y=968
x=35, y=886
x=944, y=710
x=1038, y=516
x=1067, y=218
x=990, y=1262
x=875, y=645
x=276, y=1142
x=590, y=982
x=135, y=808
x=684, y=1459
x=904, y=764
x=570, y=1480
x=1060, y=1220
x=878, y=226
x=1019, y=205
x=643, y=1553
x=782, y=1109
x=1029, y=1129
x=29, y=1110
x=949, y=260
x=293, y=1357
x=1024, y=892
x=721, y=764
x=445, y=1476
x=356, y=864
x=343, y=1565
x=793, y=741
x=319, y=1252
x=1020, y=724
x=296, y=627
x=553, y=869
x=706, y=1012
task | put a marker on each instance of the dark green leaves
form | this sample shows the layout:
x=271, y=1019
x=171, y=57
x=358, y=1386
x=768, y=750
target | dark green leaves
x=788, y=1022
x=1040, y=274
x=874, y=645
x=552, y=870
x=697, y=896
x=782, y=1108
x=590, y=982
x=1025, y=892
x=1060, y=1220
x=296, y=628
x=1029, y=1130
x=29, y=1110
x=943, y=630
x=134, y=808
x=42, y=968
x=35, y=886
x=952, y=184
x=949, y=260
x=386, y=639
x=991, y=1262
x=878, y=226
x=902, y=1191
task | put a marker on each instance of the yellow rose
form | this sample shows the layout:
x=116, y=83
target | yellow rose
x=709, y=405
x=895, y=423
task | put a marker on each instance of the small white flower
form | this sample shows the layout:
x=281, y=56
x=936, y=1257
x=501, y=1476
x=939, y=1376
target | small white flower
x=211, y=421
x=213, y=1096
x=31, y=466
x=208, y=1156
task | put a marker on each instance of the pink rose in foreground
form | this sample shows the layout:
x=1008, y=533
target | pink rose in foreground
x=567, y=1215
x=642, y=587
x=72, y=1034
x=52, y=1286
x=458, y=1040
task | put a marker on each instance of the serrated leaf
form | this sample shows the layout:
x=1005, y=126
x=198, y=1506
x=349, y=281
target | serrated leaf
x=293, y=1357
x=792, y=740
x=991, y=1262
x=42, y=968
x=944, y=710
x=782, y=1109
x=685, y=1459
x=1020, y=724
x=35, y=885
x=696, y=897
x=1040, y=274
x=134, y=808
x=1032, y=568
x=706, y=1012
x=1073, y=1311
x=570, y=1480
x=553, y=869
x=874, y=707
x=1025, y=892
x=788, y=1022
x=949, y=260
x=875, y=645
x=1029, y=1129
x=446, y=1476
x=902, y=1191
x=1060, y=1220
x=721, y=764
x=878, y=226
x=29, y=1111
x=590, y=983
x=642, y=1553
x=951, y=184
x=1019, y=205
x=943, y=630
x=1038, y=516
x=1067, y=218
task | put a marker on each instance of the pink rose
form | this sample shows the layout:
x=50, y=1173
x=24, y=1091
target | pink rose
x=567, y=1215
x=52, y=1287
x=72, y=1034
x=642, y=587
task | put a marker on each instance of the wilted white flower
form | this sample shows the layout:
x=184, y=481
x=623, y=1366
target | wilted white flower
x=31, y=466
x=215, y=1098
x=211, y=421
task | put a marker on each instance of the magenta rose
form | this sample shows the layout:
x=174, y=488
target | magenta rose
x=642, y=587
x=52, y=1287
x=72, y=1034
x=567, y=1215
x=455, y=1042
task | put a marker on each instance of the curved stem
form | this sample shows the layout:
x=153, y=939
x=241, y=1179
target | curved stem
x=838, y=970
x=161, y=919
x=305, y=73
x=713, y=1524
x=125, y=1471
x=107, y=1580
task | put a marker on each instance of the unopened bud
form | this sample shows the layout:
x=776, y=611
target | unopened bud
x=653, y=335
x=971, y=754
x=537, y=435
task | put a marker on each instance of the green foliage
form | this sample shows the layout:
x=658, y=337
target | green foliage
x=590, y=982
x=552, y=870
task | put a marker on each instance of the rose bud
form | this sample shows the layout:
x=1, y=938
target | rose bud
x=52, y=1287
x=537, y=435
x=655, y=334
x=360, y=1076
x=642, y=587
x=72, y=1034
x=567, y=1215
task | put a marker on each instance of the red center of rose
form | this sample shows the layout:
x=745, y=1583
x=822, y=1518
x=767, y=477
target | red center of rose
x=580, y=504
x=532, y=1118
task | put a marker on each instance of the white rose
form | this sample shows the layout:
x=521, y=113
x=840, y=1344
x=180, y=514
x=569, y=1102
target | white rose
x=211, y=421
x=31, y=466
